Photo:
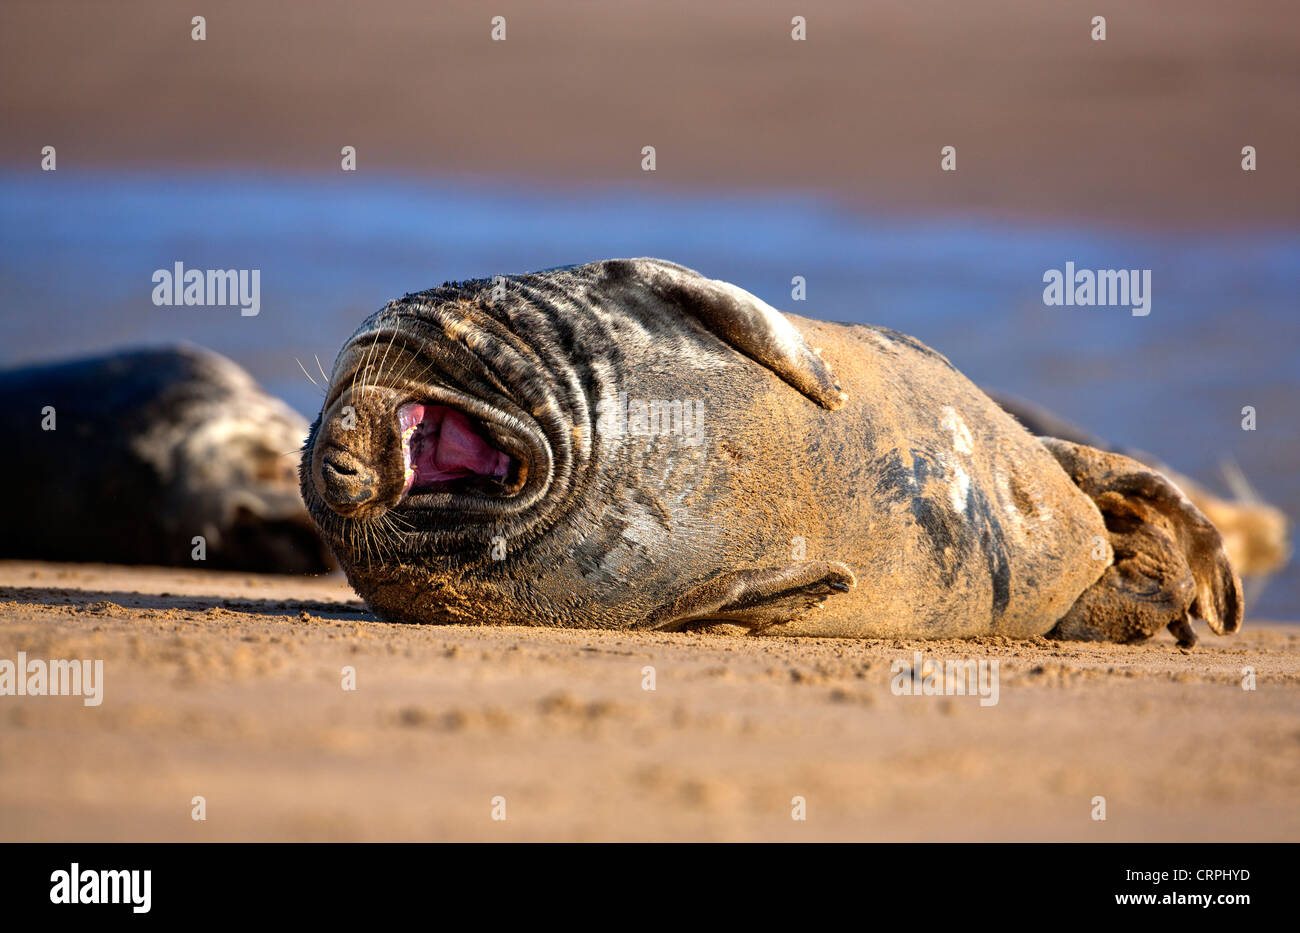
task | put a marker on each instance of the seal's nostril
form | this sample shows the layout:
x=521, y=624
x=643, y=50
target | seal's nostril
x=345, y=481
x=343, y=469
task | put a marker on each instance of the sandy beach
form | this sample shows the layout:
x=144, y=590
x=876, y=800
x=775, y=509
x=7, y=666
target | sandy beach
x=229, y=687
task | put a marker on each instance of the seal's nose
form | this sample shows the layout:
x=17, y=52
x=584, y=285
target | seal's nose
x=355, y=462
x=344, y=482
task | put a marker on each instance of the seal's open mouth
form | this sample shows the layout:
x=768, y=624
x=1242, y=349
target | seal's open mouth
x=446, y=450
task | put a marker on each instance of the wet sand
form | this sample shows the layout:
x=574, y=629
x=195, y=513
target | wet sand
x=228, y=686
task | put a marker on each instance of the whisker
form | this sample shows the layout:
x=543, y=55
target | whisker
x=307, y=374
x=391, y=338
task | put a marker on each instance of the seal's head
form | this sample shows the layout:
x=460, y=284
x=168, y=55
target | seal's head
x=457, y=461
x=441, y=429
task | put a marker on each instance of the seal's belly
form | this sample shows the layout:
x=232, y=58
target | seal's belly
x=955, y=520
x=963, y=550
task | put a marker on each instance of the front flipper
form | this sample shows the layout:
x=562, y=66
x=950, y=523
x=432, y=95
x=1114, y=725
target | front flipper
x=1169, y=561
x=739, y=319
x=757, y=599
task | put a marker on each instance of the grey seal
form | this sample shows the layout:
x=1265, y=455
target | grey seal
x=629, y=444
x=149, y=449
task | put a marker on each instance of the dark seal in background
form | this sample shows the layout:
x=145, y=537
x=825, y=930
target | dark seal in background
x=150, y=449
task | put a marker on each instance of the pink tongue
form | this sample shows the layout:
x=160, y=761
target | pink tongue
x=443, y=445
x=461, y=450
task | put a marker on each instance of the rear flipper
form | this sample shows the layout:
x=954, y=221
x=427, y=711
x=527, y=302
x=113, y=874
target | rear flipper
x=1169, y=563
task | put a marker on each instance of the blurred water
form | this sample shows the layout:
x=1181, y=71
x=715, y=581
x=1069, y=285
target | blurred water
x=77, y=252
